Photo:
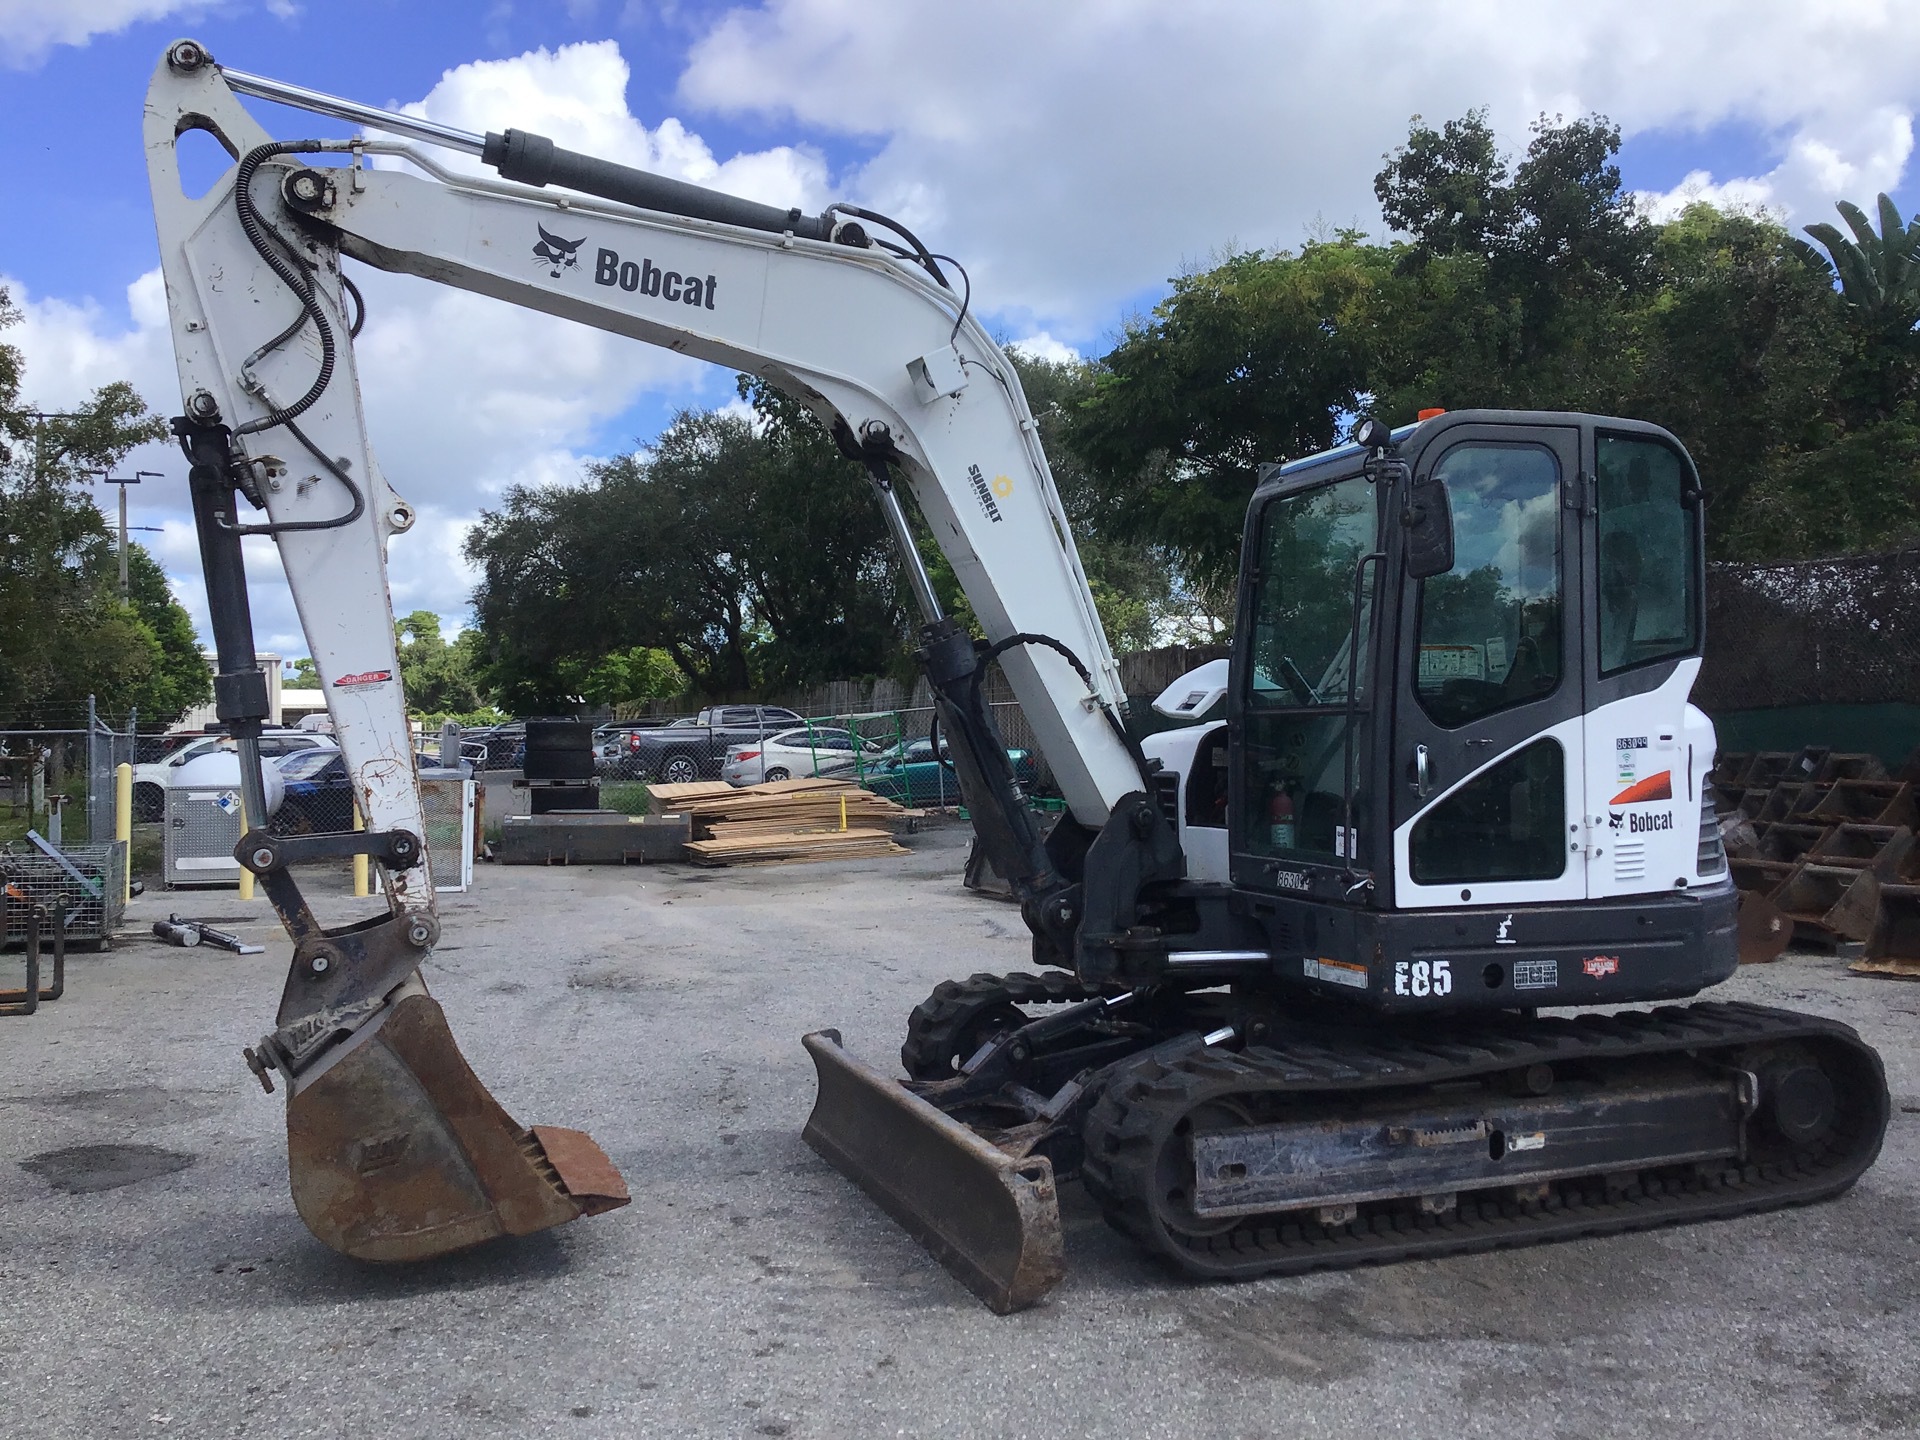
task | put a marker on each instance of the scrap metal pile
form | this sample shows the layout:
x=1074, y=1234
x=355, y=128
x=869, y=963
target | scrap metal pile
x=1822, y=846
x=783, y=820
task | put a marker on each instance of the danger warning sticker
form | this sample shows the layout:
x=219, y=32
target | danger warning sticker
x=364, y=677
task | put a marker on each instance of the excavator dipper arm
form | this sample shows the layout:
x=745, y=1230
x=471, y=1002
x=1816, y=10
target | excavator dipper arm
x=396, y=1149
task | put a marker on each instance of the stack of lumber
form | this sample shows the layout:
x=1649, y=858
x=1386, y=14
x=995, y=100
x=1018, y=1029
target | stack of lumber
x=787, y=820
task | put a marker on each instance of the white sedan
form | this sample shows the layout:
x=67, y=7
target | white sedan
x=150, y=781
x=808, y=750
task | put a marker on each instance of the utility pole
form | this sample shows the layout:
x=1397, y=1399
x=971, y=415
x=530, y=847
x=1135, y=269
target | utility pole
x=123, y=481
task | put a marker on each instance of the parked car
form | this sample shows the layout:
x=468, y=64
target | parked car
x=150, y=781
x=916, y=777
x=318, y=797
x=696, y=748
x=220, y=770
x=809, y=750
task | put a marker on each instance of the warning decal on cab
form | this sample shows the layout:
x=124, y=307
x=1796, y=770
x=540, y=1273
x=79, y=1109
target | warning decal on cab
x=1654, y=787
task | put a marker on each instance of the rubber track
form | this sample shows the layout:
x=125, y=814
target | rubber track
x=1146, y=1098
x=954, y=1003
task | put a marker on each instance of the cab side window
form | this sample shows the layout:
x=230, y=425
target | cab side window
x=1649, y=553
x=1490, y=628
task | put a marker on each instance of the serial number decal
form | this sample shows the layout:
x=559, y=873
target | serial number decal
x=1421, y=978
x=1290, y=879
x=1337, y=972
x=1536, y=974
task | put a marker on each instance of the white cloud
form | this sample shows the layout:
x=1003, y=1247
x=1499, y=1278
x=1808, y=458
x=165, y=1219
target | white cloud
x=465, y=396
x=1044, y=347
x=29, y=29
x=1076, y=153
x=1855, y=159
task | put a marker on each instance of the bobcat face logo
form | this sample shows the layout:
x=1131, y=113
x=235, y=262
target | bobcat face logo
x=557, y=254
x=1615, y=819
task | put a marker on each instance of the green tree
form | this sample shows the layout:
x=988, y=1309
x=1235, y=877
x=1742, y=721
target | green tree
x=1132, y=581
x=65, y=631
x=439, y=679
x=1523, y=271
x=749, y=552
x=1254, y=360
x=1879, y=273
x=179, y=678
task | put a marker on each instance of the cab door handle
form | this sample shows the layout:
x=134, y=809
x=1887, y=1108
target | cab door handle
x=1422, y=772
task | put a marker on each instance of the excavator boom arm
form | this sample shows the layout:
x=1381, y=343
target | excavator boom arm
x=397, y=1151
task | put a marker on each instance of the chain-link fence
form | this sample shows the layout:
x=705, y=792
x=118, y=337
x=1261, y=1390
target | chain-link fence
x=60, y=778
x=1813, y=632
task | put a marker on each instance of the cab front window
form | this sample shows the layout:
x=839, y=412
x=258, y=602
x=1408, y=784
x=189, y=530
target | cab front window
x=1306, y=658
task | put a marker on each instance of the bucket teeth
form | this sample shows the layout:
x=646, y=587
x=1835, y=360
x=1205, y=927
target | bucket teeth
x=397, y=1152
x=992, y=1219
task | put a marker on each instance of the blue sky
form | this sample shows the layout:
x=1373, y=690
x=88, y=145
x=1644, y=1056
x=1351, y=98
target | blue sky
x=1073, y=154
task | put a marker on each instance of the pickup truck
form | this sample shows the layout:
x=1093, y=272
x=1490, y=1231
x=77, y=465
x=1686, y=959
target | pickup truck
x=693, y=748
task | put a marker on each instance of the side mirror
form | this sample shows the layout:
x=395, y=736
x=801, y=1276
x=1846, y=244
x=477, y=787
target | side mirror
x=1428, y=519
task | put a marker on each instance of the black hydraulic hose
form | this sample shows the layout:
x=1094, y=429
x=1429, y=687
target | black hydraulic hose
x=359, y=306
x=966, y=298
x=281, y=527
x=924, y=255
x=997, y=649
x=256, y=234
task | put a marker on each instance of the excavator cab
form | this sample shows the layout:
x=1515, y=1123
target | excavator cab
x=1473, y=736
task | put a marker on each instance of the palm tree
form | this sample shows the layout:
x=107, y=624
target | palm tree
x=1878, y=273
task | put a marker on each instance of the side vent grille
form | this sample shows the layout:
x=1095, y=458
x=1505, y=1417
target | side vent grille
x=1713, y=854
x=1166, y=794
x=1630, y=860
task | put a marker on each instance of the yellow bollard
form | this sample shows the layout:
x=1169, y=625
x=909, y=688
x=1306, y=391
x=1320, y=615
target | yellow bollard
x=246, y=875
x=123, y=826
x=359, y=861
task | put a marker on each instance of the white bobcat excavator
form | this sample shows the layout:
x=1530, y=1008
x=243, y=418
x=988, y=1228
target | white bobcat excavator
x=1289, y=964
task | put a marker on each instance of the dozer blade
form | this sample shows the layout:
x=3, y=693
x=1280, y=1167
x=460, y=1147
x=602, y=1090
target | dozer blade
x=397, y=1151
x=991, y=1219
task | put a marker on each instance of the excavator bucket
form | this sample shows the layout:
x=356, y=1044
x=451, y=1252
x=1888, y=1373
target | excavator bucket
x=397, y=1151
x=991, y=1218
x=1763, y=933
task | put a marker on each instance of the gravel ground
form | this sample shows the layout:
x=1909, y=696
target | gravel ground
x=162, y=1285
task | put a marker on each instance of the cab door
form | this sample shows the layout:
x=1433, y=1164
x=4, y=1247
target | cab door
x=1646, y=765
x=1487, y=778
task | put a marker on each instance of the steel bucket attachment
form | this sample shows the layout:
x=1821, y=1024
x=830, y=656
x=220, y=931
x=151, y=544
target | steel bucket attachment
x=991, y=1218
x=397, y=1152
x=1763, y=932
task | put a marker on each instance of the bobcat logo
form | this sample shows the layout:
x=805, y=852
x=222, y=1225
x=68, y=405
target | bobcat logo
x=558, y=254
x=1615, y=819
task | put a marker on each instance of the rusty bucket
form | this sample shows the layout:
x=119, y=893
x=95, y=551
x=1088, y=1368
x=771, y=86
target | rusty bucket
x=397, y=1152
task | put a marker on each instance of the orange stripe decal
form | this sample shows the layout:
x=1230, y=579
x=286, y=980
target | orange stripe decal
x=1654, y=787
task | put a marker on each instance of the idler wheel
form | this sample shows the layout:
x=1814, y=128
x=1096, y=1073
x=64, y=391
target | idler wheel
x=1798, y=1099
